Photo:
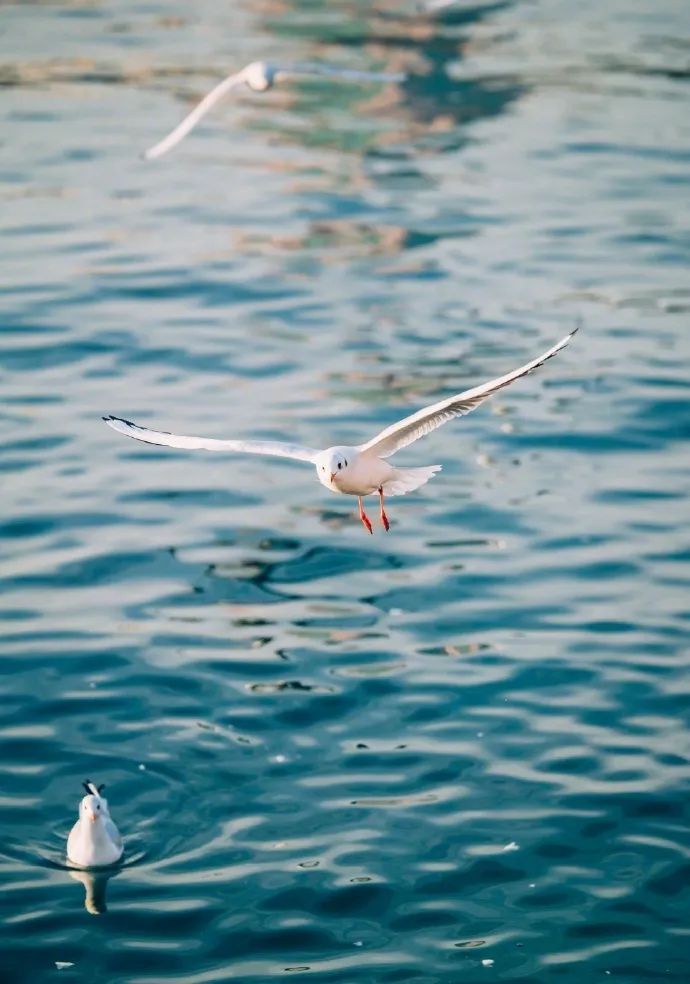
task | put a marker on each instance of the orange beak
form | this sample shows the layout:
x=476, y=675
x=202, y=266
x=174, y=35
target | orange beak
x=332, y=476
x=92, y=817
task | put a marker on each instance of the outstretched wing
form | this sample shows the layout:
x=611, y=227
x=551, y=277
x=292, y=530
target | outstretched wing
x=336, y=72
x=192, y=118
x=279, y=449
x=411, y=428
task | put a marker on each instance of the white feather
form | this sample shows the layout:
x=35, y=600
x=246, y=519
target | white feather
x=411, y=428
x=406, y=480
x=278, y=449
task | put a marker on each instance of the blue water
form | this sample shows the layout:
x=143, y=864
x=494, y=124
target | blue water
x=355, y=759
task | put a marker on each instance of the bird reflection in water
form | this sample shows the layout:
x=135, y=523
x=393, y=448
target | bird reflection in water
x=95, y=888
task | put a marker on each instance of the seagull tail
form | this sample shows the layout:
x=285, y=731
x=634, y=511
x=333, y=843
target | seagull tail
x=406, y=480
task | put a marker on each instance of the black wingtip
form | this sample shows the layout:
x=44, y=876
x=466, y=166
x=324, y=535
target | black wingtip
x=100, y=788
x=128, y=423
x=87, y=784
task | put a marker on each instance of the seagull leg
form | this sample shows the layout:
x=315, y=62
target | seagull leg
x=384, y=518
x=366, y=522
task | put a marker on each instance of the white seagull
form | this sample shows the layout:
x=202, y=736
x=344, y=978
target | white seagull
x=362, y=469
x=261, y=76
x=94, y=840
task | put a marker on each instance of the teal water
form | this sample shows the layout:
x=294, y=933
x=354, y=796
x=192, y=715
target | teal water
x=351, y=759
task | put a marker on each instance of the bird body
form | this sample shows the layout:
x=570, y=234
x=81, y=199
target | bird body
x=358, y=469
x=94, y=840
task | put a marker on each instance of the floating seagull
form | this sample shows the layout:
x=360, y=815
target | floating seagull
x=360, y=470
x=94, y=840
x=261, y=76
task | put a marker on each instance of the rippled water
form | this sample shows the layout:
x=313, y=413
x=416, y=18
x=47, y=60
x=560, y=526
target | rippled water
x=458, y=752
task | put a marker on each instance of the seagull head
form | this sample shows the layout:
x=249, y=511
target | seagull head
x=93, y=807
x=332, y=464
x=259, y=76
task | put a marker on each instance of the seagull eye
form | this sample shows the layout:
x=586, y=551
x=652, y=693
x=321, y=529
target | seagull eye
x=340, y=465
x=98, y=807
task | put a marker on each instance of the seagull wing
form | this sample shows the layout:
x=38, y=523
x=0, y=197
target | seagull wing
x=279, y=449
x=411, y=428
x=199, y=111
x=113, y=833
x=73, y=838
x=336, y=72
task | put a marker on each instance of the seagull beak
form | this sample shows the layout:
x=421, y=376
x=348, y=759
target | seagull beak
x=92, y=816
x=332, y=476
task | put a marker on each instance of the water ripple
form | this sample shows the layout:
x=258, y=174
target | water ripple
x=453, y=752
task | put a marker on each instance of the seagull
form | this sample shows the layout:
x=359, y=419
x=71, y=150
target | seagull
x=361, y=469
x=260, y=76
x=94, y=840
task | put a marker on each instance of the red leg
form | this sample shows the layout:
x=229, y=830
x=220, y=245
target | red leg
x=384, y=518
x=363, y=516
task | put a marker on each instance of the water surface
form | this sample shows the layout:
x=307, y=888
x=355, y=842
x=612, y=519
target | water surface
x=355, y=759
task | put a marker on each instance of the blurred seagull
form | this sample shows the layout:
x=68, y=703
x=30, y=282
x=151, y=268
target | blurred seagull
x=94, y=840
x=360, y=470
x=261, y=76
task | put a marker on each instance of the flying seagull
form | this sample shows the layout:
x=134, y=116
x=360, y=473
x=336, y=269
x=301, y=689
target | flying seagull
x=261, y=76
x=94, y=840
x=363, y=469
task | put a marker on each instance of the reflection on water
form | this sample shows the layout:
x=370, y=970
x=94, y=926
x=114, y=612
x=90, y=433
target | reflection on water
x=95, y=889
x=322, y=746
